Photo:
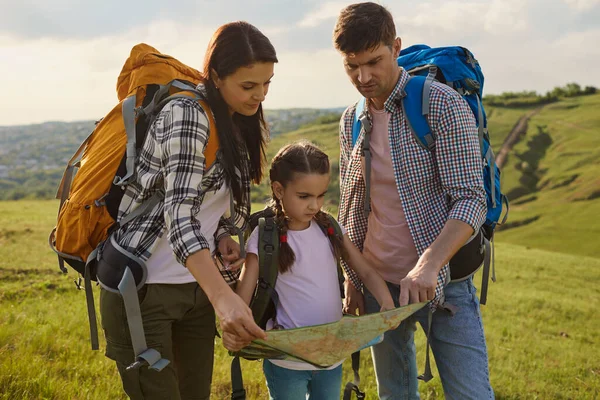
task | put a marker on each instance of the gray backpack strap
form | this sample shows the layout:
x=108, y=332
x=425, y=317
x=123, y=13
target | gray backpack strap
x=89, y=298
x=426, y=376
x=240, y=234
x=367, y=126
x=143, y=355
x=143, y=209
x=129, y=121
x=128, y=289
x=486, y=272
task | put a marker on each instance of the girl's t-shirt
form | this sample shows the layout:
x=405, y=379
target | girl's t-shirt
x=309, y=293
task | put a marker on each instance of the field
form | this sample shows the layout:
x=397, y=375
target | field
x=541, y=325
x=541, y=321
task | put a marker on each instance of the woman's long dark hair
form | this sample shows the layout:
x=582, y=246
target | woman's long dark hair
x=235, y=45
x=305, y=158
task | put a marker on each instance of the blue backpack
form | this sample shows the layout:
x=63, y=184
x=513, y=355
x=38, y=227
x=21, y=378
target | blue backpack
x=457, y=68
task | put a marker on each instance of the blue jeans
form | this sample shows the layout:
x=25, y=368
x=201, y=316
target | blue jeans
x=289, y=384
x=457, y=343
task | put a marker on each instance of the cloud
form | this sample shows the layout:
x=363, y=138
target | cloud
x=582, y=5
x=521, y=45
x=325, y=12
x=56, y=79
x=462, y=18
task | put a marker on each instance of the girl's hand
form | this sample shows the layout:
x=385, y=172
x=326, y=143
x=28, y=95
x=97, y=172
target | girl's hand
x=230, y=252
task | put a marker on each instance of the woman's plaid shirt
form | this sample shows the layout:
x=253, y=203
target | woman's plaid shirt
x=434, y=186
x=172, y=161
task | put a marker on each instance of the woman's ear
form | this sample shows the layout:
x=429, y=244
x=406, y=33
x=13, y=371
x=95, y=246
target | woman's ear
x=277, y=189
x=215, y=78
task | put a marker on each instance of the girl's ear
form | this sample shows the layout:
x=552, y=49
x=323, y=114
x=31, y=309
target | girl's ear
x=277, y=188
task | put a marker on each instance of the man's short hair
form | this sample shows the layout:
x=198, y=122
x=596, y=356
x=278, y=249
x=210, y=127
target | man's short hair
x=363, y=26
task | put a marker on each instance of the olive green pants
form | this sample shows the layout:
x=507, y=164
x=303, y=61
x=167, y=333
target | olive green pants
x=179, y=322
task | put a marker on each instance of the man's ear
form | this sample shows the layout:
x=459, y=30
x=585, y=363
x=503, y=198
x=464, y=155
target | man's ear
x=396, y=47
x=277, y=188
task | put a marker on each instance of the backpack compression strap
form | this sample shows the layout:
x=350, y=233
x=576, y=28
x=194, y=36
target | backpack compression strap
x=268, y=269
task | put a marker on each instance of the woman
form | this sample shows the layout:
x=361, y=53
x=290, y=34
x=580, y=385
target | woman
x=178, y=304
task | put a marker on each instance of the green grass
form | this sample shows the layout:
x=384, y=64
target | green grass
x=541, y=325
x=541, y=319
x=552, y=180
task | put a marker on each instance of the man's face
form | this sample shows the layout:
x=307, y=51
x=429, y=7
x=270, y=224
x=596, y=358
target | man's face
x=374, y=72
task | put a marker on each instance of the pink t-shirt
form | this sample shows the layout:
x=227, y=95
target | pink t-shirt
x=309, y=293
x=388, y=245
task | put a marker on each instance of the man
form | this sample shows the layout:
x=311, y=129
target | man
x=424, y=205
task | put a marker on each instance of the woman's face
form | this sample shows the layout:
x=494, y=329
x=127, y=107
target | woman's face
x=246, y=88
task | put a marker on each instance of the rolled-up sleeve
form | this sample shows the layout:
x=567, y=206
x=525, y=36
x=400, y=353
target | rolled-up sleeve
x=460, y=162
x=184, y=136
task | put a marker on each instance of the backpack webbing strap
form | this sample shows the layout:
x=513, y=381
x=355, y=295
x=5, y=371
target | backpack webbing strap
x=268, y=266
x=360, y=108
x=240, y=233
x=89, y=298
x=237, y=380
x=143, y=209
x=427, y=375
x=491, y=160
x=486, y=272
x=128, y=110
x=143, y=355
x=480, y=122
x=340, y=270
x=352, y=387
x=63, y=192
x=366, y=152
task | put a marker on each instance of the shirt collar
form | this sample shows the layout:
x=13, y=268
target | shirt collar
x=391, y=104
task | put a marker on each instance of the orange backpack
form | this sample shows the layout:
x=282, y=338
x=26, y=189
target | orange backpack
x=105, y=162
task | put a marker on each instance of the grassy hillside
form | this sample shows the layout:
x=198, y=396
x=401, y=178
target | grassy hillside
x=552, y=179
x=541, y=325
x=551, y=176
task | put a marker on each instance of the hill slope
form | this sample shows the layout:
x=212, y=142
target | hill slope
x=550, y=176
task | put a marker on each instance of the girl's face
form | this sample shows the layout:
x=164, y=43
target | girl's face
x=246, y=88
x=302, y=198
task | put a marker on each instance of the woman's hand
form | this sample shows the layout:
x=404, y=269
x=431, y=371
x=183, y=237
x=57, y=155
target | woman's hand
x=230, y=252
x=237, y=322
x=388, y=305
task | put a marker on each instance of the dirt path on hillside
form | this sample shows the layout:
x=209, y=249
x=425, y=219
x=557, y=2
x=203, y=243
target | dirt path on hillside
x=514, y=136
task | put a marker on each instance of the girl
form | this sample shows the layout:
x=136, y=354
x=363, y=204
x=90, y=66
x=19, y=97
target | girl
x=307, y=285
x=177, y=238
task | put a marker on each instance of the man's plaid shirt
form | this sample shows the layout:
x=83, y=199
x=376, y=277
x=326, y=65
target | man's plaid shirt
x=172, y=161
x=433, y=186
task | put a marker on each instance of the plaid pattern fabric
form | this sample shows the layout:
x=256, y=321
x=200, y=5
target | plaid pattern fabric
x=434, y=186
x=172, y=162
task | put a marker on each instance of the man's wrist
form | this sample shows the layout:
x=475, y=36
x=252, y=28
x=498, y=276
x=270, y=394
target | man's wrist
x=429, y=262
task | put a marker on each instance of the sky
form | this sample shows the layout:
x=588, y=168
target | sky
x=59, y=59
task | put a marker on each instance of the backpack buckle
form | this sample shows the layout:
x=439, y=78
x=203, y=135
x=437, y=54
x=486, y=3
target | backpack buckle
x=238, y=394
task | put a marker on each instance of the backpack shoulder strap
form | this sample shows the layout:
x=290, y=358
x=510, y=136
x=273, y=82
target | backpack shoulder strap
x=268, y=267
x=360, y=107
x=212, y=146
x=416, y=108
x=340, y=234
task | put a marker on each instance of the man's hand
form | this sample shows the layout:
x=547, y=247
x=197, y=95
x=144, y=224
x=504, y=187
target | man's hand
x=354, y=300
x=230, y=252
x=237, y=322
x=419, y=285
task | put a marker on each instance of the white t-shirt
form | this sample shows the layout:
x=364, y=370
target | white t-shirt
x=309, y=293
x=162, y=265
